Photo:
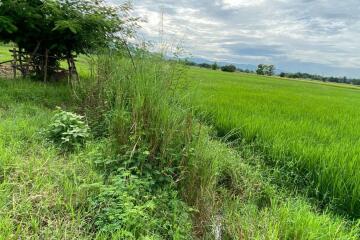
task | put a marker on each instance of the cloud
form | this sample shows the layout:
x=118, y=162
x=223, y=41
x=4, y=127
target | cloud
x=296, y=35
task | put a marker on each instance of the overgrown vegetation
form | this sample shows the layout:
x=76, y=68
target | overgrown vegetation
x=155, y=172
x=126, y=156
x=149, y=134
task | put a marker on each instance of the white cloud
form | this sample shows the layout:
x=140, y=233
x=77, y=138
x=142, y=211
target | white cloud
x=240, y=3
x=289, y=33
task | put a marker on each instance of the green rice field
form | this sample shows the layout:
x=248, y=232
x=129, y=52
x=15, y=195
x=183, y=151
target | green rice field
x=310, y=128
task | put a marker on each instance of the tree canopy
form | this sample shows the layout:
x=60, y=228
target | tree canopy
x=264, y=69
x=63, y=27
x=228, y=68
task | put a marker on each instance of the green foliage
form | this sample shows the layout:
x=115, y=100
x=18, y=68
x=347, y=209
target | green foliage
x=264, y=69
x=67, y=130
x=132, y=207
x=6, y=25
x=143, y=97
x=300, y=75
x=63, y=27
x=204, y=65
x=214, y=66
x=149, y=134
x=228, y=68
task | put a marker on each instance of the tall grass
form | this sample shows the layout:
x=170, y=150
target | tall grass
x=134, y=103
x=305, y=128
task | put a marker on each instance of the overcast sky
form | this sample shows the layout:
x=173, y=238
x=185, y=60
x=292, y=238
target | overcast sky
x=317, y=36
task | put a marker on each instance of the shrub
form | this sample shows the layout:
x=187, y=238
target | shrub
x=228, y=68
x=67, y=130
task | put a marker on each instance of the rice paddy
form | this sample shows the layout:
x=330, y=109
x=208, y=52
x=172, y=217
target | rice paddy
x=310, y=129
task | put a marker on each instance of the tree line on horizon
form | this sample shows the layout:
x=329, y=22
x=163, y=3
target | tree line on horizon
x=269, y=70
x=345, y=80
x=216, y=66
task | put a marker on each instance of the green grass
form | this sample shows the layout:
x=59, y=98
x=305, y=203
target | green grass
x=249, y=206
x=165, y=152
x=310, y=128
x=4, y=53
x=42, y=193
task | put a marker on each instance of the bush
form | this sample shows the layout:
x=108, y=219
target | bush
x=228, y=68
x=67, y=130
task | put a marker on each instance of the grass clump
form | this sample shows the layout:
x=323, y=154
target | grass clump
x=147, y=133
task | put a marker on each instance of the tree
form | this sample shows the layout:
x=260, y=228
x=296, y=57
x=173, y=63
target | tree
x=260, y=69
x=204, y=65
x=62, y=28
x=270, y=70
x=228, y=68
x=214, y=66
x=264, y=69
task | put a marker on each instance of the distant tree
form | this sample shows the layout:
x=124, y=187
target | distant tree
x=204, y=65
x=228, y=68
x=355, y=81
x=270, y=70
x=260, y=69
x=190, y=63
x=264, y=69
x=214, y=66
x=321, y=78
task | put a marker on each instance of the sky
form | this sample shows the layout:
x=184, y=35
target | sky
x=315, y=36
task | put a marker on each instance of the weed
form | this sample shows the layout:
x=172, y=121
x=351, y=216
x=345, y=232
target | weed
x=68, y=131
